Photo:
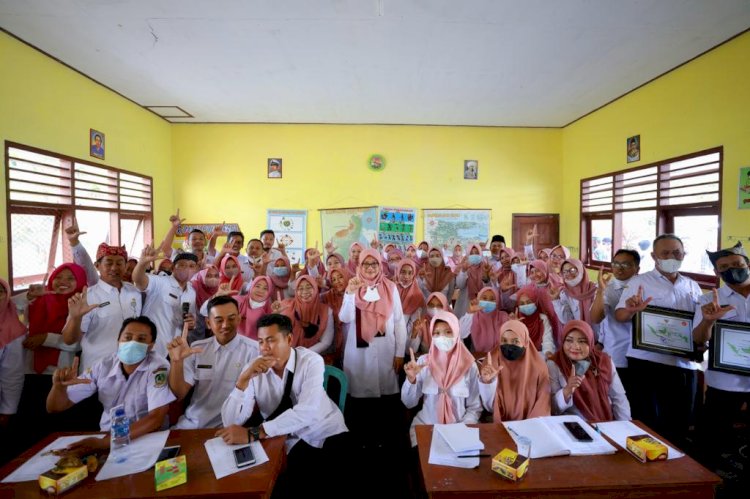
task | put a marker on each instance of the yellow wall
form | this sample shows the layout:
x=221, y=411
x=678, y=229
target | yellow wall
x=325, y=166
x=46, y=105
x=703, y=104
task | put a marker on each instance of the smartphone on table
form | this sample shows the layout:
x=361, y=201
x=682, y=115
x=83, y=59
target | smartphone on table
x=244, y=456
x=169, y=453
x=577, y=431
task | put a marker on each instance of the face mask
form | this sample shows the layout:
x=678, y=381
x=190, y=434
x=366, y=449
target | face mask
x=444, y=343
x=371, y=294
x=475, y=259
x=232, y=273
x=183, y=275
x=735, y=275
x=575, y=281
x=435, y=261
x=212, y=282
x=132, y=352
x=527, y=309
x=518, y=267
x=512, y=352
x=619, y=282
x=256, y=304
x=669, y=266
x=420, y=253
x=487, y=306
x=280, y=271
x=431, y=311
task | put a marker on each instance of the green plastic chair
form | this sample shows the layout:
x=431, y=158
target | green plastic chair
x=335, y=372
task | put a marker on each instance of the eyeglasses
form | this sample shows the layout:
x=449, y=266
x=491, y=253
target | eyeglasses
x=555, y=256
x=621, y=265
x=570, y=272
x=372, y=265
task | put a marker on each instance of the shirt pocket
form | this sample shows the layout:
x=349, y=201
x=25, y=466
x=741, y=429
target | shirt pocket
x=204, y=372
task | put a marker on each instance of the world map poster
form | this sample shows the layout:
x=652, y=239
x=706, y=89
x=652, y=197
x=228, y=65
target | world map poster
x=456, y=226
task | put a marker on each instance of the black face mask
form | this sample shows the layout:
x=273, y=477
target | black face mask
x=735, y=275
x=512, y=352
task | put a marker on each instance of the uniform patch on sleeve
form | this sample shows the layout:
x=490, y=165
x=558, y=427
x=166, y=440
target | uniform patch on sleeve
x=160, y=377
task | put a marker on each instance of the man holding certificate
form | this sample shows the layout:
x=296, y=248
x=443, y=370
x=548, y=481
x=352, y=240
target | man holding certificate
x=728, y=373
x=666, y=384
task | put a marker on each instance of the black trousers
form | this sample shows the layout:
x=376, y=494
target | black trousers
x=663, y=397
x=716, y=428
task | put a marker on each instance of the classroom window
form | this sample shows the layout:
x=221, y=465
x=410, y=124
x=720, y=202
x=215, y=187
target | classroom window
x=629, y=208
x=46, y=190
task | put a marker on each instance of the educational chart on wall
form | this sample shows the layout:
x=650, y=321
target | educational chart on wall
x=456, y=226
x=344, y=226
x=396, y=226
x=290, y=227
x=744, y=192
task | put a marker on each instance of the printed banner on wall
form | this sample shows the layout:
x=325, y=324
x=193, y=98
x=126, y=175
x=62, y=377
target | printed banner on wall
x=744, y=192
x=396, y=226
x=456, y=226
x=184, y=229
x=344, y=226
x=290, y=227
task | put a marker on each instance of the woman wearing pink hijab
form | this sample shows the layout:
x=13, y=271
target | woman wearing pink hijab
x=446, y=380
x=574, y=299
x=436, y=275
x=12, y=333
x=483, y=320
x=313, y=264
x=557, y=256
x=312, y=320
x=231, y=272
x=206, y=284
x=469, y=274
x=280, y=272
x=355, y=250
x=254, y=305
x=412, y=299
x=420, y=337
x=334, y=297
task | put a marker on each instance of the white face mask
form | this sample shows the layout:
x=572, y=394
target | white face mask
x=420, y=253
x=518, y=267
x=669, y=266
x=256, y=304
x=435, y=261
x=431, y=311
x=575, y=281
x=371, y=294
x=444, y=343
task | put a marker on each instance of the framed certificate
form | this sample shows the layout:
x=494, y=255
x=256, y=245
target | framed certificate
x=664, y=330
x=729, y=348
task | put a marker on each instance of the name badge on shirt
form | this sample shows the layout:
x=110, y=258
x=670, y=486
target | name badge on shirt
x=204, y=366
x=173, y=296
x=102, y=305
x=371, y=294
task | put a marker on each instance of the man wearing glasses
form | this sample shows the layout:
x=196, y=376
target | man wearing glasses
x=665, y=385
x=614, y=336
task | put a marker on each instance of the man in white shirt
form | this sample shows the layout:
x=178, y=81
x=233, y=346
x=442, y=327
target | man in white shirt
x=726, y=392
x=95, y=316
x=666, y=384
x=170, y=300
x=615, y=337
x=211, y=366
x=287, y=385
x=268, y=237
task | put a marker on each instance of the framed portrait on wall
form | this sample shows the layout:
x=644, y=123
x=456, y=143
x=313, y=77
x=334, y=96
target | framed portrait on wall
x=274, y=167
x=96, y=143
x=634, y=148
x=471, y=169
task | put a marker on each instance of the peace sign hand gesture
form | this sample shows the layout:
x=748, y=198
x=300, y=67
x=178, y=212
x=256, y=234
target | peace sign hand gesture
x=175, y=219
x=68, y=376
x=713, y=311
x=488, y=372
x=412, y=368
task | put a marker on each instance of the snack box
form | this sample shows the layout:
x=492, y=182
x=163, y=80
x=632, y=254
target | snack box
x=509, y=464
x=170, y=472
x=646, y=449
x=58, y=480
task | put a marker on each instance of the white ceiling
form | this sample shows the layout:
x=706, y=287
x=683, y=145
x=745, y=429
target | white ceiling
x=443, y=62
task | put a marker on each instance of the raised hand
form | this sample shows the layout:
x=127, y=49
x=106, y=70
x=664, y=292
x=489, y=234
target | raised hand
x=175, y=219
x=330, y=247
x=217, y=231
x=636, y=303
x=149, y=254
x=412, y=368
x=573, y=383
x=530, y=234
x=474, y=306
x=488, y=372
x=78, y=304
x=554, y=291
x=280, y=245
x=374, y=243
x=321, y=281
x=225, y=289
x=355, y=283
x=713, y=311
x=37, y=290
x=276, y=307
x=507, y=283
x=603, y=279
x=419, y=328
x=73, y=233
x=67, y=376
x=514, y=315
x=179, y=349
x=295, y=269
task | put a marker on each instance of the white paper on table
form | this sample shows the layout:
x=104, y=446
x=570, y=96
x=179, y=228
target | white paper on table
x=142, y=455
x=459, y=437
x=221, y=456
x=619, y=431
x=549, y=437
x=38, y=464
x=442, y=454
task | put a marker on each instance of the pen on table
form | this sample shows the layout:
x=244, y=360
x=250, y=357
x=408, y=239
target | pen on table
x=513, y=431
x=477, y=455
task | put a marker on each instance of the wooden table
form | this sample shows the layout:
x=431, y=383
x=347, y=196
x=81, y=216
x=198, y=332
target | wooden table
x=614, y=475
x=255, y=482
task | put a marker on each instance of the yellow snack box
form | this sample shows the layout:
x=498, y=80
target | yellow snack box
x=170, y=472
x=645, y=448
x=58, y=480
x=509, y=464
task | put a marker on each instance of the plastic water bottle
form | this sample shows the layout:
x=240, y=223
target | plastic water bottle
x=120, y=434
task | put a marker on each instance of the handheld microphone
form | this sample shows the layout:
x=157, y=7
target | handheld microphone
x=185, y=311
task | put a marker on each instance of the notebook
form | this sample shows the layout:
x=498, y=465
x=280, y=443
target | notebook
x=549, y=437
x=453, y=440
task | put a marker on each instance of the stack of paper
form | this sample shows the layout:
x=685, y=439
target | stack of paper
x=619, y=431
x=449, y=441
x=221, y=456
x=142, y=455
x=549, y=437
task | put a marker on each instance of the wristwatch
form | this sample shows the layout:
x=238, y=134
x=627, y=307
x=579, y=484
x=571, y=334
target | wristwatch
x=253, y=433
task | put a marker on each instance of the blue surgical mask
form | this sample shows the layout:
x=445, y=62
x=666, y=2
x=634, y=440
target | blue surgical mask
x=487, y=306
x=280, y=271
x=132, y=352
x=527, y=309
x=475, y=259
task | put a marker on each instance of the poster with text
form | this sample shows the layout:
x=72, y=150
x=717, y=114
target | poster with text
x=396, y=226
x=290, y=227
x=345, y=226
x=744, y=192
x=456, y=226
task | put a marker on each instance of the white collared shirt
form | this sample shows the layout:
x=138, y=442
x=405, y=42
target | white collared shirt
x=163, y=305
x=682, y=295
x=246, y=268
x=313, y=416
x=616, y=336
x=213, y=373
x=145, y=390
x=464, y=396
x=101, y=326
x=741, y=313
x=11, y=375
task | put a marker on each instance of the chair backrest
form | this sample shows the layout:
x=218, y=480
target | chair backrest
x=335, y=372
